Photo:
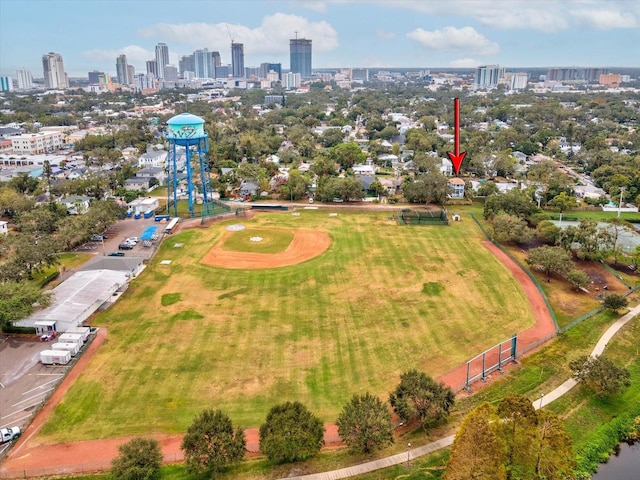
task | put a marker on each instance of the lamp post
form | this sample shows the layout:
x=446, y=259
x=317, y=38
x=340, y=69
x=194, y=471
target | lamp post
x=409, y=456
x=541, y=397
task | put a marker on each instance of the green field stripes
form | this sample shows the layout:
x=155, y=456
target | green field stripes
x=351, y=320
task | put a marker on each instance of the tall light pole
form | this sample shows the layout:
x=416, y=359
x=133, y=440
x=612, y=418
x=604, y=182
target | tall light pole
x=541, y=397
x=409, y=456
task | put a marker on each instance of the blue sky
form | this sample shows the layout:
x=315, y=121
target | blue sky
x=90, y=34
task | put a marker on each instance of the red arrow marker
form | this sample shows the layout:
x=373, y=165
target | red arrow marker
x=457, y=157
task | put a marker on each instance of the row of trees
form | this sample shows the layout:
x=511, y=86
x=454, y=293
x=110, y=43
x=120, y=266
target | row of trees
x=291, y=432
x=508, y=441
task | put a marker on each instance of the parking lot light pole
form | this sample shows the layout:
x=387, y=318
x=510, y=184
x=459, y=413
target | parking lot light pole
x=409, y=456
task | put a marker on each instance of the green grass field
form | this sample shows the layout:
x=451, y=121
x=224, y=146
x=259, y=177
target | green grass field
x=383, y=299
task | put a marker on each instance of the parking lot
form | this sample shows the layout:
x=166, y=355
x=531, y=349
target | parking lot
x=24, y=382
x=119, y=232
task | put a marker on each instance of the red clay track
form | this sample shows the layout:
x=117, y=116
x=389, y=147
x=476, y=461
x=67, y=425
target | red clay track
x=26, y=455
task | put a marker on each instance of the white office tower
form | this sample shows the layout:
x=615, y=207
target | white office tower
x=25, y=80
x=162, y=58
x=53, y=69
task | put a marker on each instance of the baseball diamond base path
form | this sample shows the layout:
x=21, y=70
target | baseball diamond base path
x=96, y=454
x=306, y=244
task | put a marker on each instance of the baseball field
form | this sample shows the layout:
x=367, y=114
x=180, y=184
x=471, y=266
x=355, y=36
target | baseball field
x=220, y=319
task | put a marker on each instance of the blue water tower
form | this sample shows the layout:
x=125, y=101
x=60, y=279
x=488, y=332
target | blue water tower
x=187, y=131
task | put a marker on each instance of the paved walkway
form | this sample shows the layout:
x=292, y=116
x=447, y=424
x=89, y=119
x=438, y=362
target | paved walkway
x=447, y=441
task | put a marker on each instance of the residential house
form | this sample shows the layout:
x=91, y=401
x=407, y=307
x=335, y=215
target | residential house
x=76, y=204
x=368, y=169
x=153, y=158
x=249, y=188
x=138, y=183
x=365, y=181
x=77, y=173
x=153, y=172
x=457, y=187
x=446, y=167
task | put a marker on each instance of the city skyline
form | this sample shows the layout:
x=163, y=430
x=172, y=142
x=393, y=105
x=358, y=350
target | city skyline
x=345, y=33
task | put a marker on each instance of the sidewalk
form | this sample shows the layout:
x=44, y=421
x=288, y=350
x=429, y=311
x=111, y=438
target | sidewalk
x=447, y=441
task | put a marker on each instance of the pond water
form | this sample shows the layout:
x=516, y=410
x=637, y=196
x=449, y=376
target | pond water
x=625, y=466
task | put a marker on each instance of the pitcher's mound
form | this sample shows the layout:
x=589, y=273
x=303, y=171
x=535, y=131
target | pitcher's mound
x=306, y=244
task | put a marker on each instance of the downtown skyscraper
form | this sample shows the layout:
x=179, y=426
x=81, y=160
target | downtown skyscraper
x=300, y=56
x=53, y=70
x=122, y=70
x=162, y=59
x=237, y=60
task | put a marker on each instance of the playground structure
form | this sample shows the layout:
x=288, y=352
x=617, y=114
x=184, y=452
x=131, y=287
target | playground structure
x=427, y=217
x=186, y=133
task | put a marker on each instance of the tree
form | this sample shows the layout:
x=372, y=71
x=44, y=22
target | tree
x=562, y=202
x=17, y=300
x=591, y=240
x=517, y=422
x=515, y=202
x=211, y=443
x=508, y=228
x=614, y=302
x=478, y=450
x=365, y=424
x=138, y=459
x=553, y=450
x=291, y=433
x=549, y=259
x=347, y=154
x=548, y=231
x=420, y=396
x=600, y=374
x=578, y=278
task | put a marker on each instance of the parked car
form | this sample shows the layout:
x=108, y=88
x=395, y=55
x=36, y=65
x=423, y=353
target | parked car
x=125, y=246
x=338, y=200
x=46, y=337
x=115, y=254
x=97, y=238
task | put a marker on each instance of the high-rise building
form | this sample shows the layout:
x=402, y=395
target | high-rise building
x=186, y=64
x=222, y=71
x=162, y=58
x=6, y=84
x=131, y=71
x=216, y=61
x=300, y=56
x=487, y=76
x=94, y=77
x=265, y=68
x=53, y=69
x=292, y=80
x=517, y=80
x=152, y=68
x=237, y=60
x=121, y=70
x=203, y=64
x=170, y=73
x=25, y=80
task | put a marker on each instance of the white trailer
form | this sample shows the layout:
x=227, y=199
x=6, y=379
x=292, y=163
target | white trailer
x=74, y=348
x=84, y=331
x=71, y=338
x=55, y=357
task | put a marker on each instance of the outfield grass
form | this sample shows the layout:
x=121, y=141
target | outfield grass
x=383, y=299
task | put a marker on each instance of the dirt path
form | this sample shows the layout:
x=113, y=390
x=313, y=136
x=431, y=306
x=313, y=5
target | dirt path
x=96, y=454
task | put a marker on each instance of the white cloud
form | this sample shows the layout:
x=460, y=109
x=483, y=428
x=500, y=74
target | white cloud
x=314, y=5
x=270, y=38
x=464, y=39
x=385, y=34
x=136, y=55
x=464, y=63
x=605, y=19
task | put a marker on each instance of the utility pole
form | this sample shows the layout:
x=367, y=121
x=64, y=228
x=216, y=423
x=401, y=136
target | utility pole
x=620, y=202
